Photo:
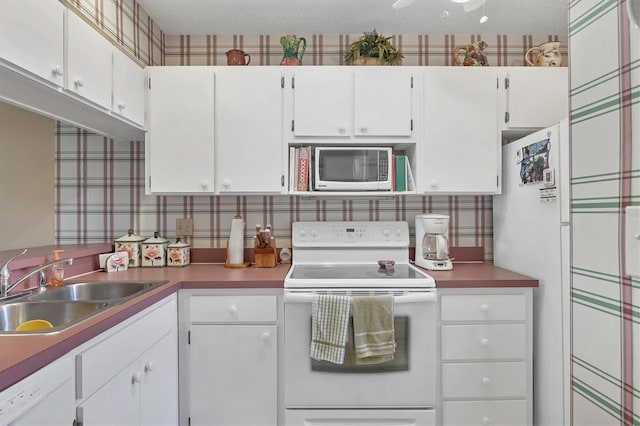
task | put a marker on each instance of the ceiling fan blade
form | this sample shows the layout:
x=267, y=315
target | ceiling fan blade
x=399, y=4
x=472, y=5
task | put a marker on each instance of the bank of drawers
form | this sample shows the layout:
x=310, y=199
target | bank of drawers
x=485, y=342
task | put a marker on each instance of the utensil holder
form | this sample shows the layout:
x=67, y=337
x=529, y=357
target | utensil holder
x=266, y=257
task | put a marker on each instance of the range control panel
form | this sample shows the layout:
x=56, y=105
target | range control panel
x=344, y=234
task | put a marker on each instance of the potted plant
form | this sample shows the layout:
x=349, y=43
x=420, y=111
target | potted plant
x=372, y=49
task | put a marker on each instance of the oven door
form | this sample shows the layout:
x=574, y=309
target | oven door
x=407, y=382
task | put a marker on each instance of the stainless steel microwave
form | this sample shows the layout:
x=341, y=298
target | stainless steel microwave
x=352, y=168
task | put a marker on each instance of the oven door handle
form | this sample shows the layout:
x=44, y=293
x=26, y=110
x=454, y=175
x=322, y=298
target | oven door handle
x=409, y=298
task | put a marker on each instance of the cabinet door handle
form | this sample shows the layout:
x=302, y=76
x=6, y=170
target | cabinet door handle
x=484, y=342
x=122, y=105
x=486, y=380
x=363, y=130
x=148, y=367
x=486, y=420
x=204, y=185
x=79, y=82
x=342, y=130
x=57, y=70
x=266, y=336
x=136, y=377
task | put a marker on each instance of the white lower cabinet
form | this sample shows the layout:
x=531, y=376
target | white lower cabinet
x=130, y=377
x=486, y=369
x=229, y=359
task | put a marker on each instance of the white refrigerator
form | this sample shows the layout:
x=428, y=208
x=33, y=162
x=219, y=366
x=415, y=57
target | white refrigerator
x=531, y=232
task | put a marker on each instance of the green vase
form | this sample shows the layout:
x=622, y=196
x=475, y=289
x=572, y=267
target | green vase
x=291, y=46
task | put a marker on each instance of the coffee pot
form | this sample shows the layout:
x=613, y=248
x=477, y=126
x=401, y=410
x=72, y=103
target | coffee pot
x=432, y=242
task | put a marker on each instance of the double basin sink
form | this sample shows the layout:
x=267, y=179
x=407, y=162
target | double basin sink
x=69, y=304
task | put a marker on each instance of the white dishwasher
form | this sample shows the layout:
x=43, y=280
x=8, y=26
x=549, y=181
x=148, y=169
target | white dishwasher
x=44, y=398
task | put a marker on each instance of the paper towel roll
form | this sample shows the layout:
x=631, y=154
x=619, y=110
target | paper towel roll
x=236, y=241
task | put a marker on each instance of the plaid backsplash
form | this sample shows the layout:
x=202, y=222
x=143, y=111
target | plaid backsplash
x=100, y=194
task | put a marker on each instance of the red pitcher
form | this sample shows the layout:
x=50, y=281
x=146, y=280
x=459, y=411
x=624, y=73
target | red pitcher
x=236, y=57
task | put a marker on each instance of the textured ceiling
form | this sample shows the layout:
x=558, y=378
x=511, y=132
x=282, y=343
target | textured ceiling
x=305, y=17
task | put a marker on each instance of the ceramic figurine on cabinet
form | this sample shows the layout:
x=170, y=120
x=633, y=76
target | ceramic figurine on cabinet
x=473, y=54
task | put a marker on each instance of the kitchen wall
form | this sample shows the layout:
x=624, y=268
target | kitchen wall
x=26, y=176
x=323, y=49
x=605, y=132
x=100, y=192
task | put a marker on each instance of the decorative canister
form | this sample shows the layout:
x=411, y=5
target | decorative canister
x=132, y=244
x=178, y=253
x=154, y=251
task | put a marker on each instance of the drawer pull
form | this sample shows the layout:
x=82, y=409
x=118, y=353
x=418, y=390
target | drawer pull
x=148, y=367
x=484, y=308
x=136, y=377
x=233, y=309
x=486, y=420
x=486, y=380
x=484, y=342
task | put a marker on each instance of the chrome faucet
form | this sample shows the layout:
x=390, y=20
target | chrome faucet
x=5, y=274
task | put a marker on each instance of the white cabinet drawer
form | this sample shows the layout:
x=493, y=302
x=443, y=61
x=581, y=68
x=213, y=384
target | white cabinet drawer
x=479, y=380
x=233, y=309
x=481, y=413
x=492, y=341
x=483, y=307
x=106, y=358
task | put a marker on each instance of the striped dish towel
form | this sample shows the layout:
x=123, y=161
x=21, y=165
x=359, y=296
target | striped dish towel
x=329, y=324
x=373, y=329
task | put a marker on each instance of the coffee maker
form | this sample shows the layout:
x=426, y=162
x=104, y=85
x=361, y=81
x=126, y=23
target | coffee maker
x=432, y=242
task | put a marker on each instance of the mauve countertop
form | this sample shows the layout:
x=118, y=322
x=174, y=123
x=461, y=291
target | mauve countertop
x=22, y=355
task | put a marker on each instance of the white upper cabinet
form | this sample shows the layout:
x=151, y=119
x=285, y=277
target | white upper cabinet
x=32, y=37
x=352, y=103
x=536, y=97
x=89, y=62
x=128, y=88
x=383, y=102
x=180, y=130
x=322, y=102
x=461, y=143
x=248, y=131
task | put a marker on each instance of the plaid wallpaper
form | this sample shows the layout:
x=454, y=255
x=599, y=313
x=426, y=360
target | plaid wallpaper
x=503, y=50
x=125, y=22
x=605, y=172
x=100, y=194
x=99, y=182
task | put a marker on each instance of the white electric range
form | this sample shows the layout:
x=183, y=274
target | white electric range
x=355, y=258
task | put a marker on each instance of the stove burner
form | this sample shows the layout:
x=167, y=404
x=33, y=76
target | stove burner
x=354, y=272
